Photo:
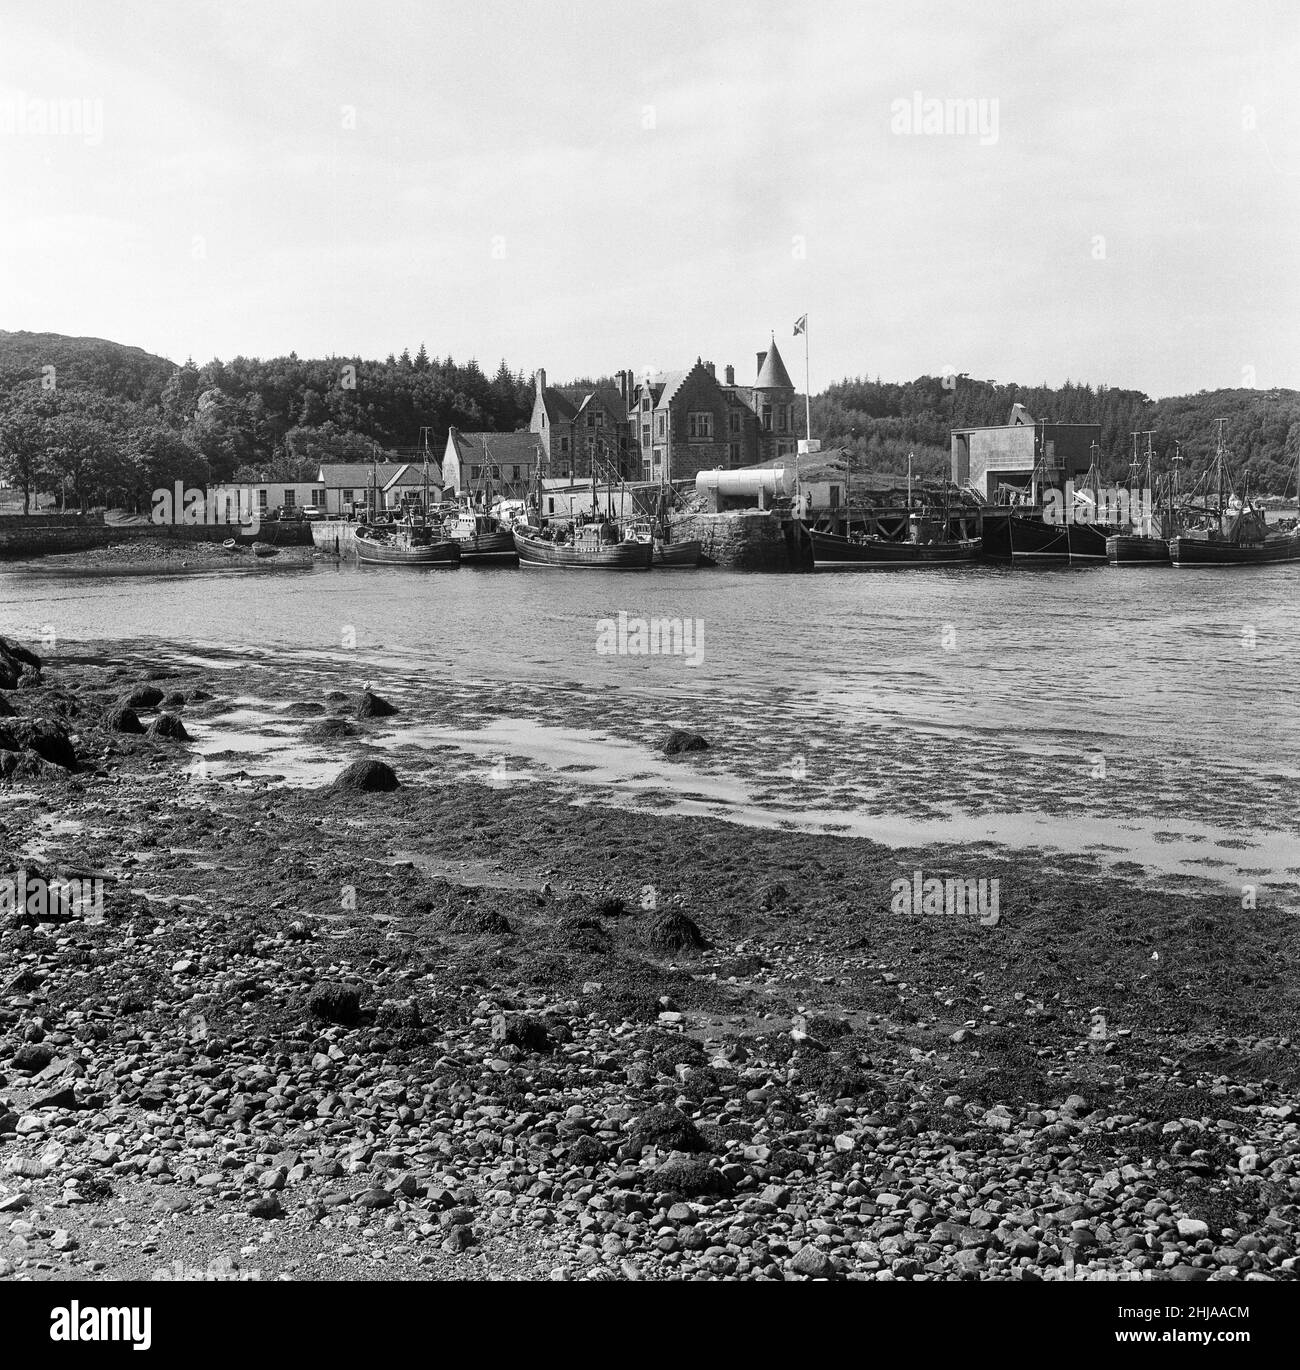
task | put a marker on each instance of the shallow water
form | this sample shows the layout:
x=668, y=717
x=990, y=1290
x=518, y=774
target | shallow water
x=1138, y=715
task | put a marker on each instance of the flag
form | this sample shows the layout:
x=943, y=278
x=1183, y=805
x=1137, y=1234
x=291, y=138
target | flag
x=800, y=324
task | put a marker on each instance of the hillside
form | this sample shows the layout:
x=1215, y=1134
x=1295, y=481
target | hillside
x=129, y=373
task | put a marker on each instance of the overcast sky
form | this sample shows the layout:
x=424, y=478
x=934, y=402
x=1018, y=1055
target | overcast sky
x=593, y=186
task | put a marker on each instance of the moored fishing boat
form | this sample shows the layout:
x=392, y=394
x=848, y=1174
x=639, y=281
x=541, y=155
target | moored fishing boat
x=668, y=556
x=835, y=552
x=482, y=538
x=1133, y=549
x=405, y=544
x=595, y=547
x=1232, y=530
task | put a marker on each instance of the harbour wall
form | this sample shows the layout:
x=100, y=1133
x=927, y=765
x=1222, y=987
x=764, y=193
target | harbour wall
x=750, y=540
x=38, y=535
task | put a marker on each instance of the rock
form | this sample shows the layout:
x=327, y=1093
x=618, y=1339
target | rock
x=336, y=1003
x=1192, y=1229
x=681, y=740
x=377, y=1198
x=691, y=1175
x=374, y=706
x=15, y=659
x=366, y=776
x=33, y=1056
x=7, y=710
x=813, y=1262
x=123, y=719
x=329, y=728
x=1189, y=1274
x=666, y=1128
x=63, y=1240
x=458, y=1239
x=142, y=697
x=268, y=1206
x=48, y=739
x=521, y=1030
x=587, y=1151
x=170, y=727
x=673, y=932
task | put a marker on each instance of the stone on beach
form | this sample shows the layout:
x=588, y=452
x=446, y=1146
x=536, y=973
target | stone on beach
x=366, y=776
x=374, y=706
x=682, y=740
x=142, y=697
x=123, y=719
x=48, y=739
x=170, y=727
x=334, y=1002
x=673, y=931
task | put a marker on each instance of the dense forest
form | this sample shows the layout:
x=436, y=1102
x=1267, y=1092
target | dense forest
x=101, y=423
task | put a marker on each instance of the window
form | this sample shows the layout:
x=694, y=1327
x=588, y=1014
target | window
x=733, y=421
x=645, y=405
x=261, y=499
x=767, y=417
x=550, y=504
x=733, y=453
x=564, y=444
x=288, y=499
x=699, y=425
x=474, y=472
x=662, y=423
x=591, y=420
x=315, y=498
x=515, y=473
x=782, y=416
x=347, y=496
x=600, y=419
x=645, y=435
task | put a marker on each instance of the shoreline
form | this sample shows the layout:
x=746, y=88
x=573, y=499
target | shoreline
x=543, y=1074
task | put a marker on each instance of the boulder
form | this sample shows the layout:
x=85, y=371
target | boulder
x=143, y=697
x=366, y=776
x=48, y=739
x=674, y=932
x=7, y=710
x=681, y=740
x=123, y=719
x=335, y=1002
x=374, y=706
x=170, y=727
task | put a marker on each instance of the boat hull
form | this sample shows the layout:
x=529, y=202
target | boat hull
x=1185, y=551
x=1087, y=542
x=1130, y=549
x=832, y=552
x=435, y=554
x=677, y=556
x=483, y=548
x=613, y=556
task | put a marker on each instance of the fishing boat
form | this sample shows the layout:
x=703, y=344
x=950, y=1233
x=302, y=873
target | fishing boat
x=927, y=544
x=668, y=556
x=594, y=546
x=408, y=541
x=1147, y=541
x=484, y=537
x=1231, y=530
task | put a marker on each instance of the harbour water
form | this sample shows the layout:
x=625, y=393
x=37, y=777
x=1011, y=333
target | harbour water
x=1142, y=721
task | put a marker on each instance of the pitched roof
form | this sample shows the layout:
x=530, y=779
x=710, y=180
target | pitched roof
x=773, y=375
x=412, y=473
x=354, y=474
x=514, y=448
x=558, y=405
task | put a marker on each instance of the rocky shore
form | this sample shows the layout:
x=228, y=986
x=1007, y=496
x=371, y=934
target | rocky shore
x=457, y=1030
x=142, y=555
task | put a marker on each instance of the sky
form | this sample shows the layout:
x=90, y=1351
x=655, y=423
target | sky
x=1105, y=192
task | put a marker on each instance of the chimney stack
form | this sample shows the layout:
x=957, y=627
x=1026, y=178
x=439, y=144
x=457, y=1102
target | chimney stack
x=762, y=357
x=622, y=387
x=730, y=374
x=708, y=366
x=541, y=380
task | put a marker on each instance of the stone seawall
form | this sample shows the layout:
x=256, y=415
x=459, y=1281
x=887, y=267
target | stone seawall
x=334, y=535
x=750, y=540
x=38, y=535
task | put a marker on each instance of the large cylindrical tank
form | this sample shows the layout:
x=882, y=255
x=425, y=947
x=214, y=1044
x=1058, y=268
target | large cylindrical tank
x=770, y=481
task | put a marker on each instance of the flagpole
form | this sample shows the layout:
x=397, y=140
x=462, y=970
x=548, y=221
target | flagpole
x=807, y=384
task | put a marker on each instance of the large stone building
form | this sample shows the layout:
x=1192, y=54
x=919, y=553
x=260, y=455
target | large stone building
x=668, y=425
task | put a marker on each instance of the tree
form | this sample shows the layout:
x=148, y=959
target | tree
x=24, y=437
